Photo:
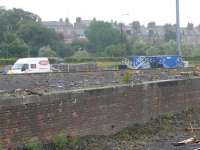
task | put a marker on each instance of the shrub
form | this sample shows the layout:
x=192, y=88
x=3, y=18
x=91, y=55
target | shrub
x=60, y=140
x=126, y=78
x=46, y=52
x=34, y=144
x=7, y=61
x=98, y=59
x=81, y=55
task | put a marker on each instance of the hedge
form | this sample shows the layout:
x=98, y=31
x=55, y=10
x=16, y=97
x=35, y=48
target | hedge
x=99, y=59
x=10, y=61
x=7, y=61
x=197, y=58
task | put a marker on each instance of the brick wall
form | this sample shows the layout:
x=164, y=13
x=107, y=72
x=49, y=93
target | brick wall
x=100, y=111
x=67, y=81
x=59, y=81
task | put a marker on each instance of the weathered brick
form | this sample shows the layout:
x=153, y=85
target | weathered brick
x=101, y=111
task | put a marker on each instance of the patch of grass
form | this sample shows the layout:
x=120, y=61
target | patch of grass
x=194, y=63
x=34, y=144
x=107, y=64
x=165, y=121
x=60, y=140
x=126, y=78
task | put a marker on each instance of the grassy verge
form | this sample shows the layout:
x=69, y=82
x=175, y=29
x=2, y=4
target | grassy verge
x=107, y=64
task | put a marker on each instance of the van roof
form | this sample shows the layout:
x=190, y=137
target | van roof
x=23, y=60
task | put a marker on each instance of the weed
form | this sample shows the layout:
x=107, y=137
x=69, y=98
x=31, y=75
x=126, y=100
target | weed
x=60, y=140
x=126, y=78
x=34, y=144
x=1, y=148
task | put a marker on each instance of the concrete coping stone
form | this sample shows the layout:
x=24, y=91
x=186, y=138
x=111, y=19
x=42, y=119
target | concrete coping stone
x=58, y=95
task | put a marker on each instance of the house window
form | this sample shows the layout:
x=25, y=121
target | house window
x=33, y=66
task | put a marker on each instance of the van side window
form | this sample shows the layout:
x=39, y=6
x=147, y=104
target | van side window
x=26, y=66
x=33, y=66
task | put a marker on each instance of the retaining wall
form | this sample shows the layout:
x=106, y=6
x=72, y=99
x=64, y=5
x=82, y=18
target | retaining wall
x=101, y=111
x=59, y=81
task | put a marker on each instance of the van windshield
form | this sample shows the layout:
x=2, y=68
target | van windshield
x=17, y=66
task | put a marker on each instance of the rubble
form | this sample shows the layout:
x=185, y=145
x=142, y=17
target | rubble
x=20, y=93
x=191, y=140
x=68, y=81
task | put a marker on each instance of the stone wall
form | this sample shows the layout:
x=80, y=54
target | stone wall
x=100, y=111
x=59, y=81
x=78, y=80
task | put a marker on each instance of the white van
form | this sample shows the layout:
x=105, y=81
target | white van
x=30, y=65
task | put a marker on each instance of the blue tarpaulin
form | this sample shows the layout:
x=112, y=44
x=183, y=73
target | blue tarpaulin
x=161, y=61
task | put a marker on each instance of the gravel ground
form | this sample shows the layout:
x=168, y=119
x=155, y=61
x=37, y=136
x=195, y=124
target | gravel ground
x=159, y=134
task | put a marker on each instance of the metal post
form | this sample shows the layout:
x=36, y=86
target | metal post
x=178, y=36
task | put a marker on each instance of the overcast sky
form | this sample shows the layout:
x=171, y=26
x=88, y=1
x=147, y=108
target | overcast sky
x=161, y=11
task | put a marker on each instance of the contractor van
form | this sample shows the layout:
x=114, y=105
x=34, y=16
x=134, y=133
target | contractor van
x=30, y=65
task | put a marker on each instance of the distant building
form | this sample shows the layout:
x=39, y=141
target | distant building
x=68, y=31
x=80, y=27
x=190, y=35
x=65, y=29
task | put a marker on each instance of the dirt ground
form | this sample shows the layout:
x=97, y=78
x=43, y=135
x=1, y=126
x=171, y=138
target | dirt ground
x=159, y=134
x=41, y=83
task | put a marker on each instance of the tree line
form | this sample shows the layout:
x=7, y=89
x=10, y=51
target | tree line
x=23, y=35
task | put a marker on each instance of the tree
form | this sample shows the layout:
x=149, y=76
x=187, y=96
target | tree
x=80, y=45
x=81, y=55
x=63, y=50
x=18, y=48
x=117, y=50
x=170, y=47
x=140, y=47
x=46, y=52
x=13, y=46
x=154, y=51
x=21, y=33
x=195, y=51
x=170, y=32
x=37, y=36
x=102, y=34
x=186, y=50
x=11, y=18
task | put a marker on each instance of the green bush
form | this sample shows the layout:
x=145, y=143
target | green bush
x=197, y=58
x=34, y=144
x=126, y=78
x=60, y=140
x=7, y=61
x=82, y=54
x=46, y=51
x=99, y=59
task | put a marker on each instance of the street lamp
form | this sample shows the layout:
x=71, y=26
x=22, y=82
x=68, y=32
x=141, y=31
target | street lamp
x=178, y=34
